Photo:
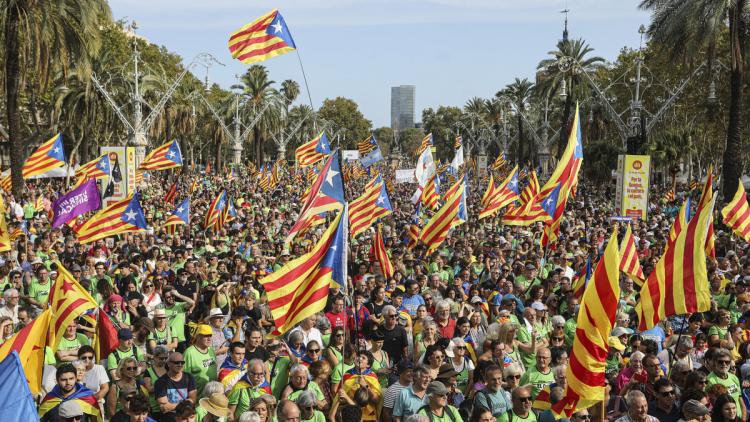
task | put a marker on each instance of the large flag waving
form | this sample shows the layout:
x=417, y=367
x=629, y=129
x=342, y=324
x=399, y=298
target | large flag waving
x=167, y=156
x=737, y=214
x=501, y=196
x=29, y=343
x=265, y=37
x=49, y=155
x=679, y=283
x=451, y=214
x=588, y=358
x=68, y=300
x=180, y=216
x=386, y=267
x=97, y=168
x=16, y=401
x=312, y=151
x=629, y=264
x=120, y=217
x=300, y=288
x=215, y=213
x=707, y=197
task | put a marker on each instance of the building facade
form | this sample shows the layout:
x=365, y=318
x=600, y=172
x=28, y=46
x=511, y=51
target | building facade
x=403, y=106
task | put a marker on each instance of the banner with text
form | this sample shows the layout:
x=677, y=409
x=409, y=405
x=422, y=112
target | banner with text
x=631, y=197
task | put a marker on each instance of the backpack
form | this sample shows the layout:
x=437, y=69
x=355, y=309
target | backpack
x=489, y=403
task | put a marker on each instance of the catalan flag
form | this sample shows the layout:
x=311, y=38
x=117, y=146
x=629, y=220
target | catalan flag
x=5, y=240
x=84, y=397
x=581, y=280
x=360, y=209
x=531, y=189
x=431, y=193
x=300, y=288
x=737, y=214
x=171, y=194
x=489, y=193
x=629, y=264
x=352, y=381
x=312, y=151
x=50, y=155
x=680, y=220
x=68, y=301
x=426, y=142
x=97, y=168
x=503, y=195
x=265, y=37
x=499, y=162
x=707, y=196
x=30, y=343
x=326, y=194
x=167, y=156
x=120, y=217
x=669, y=195
x=6, y=183
x=214, y=215
x=414, y=228
x=534, y=210
x=230, y=373
x=588, y=358
x=386, y=267
x=679, y=283
x=367, y=146
x=451, y=214
x=180, y=216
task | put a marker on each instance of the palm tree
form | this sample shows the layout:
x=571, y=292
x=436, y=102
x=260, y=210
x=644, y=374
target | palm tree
x=41, y=38
x=519, y=93
x=289, y=92
x=259, y=91
x=564, y=73
x=688, y=28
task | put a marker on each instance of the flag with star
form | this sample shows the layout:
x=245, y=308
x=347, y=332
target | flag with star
x=68, y=300
x=215, y=213
x=312, y=151
x=326, y=194
x=49, y=155
x=180, y=216
x=98, y=168
x=266, y=37
x=167, y=156
x=120, y=217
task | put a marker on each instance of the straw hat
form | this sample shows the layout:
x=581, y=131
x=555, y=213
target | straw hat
x=215, y=404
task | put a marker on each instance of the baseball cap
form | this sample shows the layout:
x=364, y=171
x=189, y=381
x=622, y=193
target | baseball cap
x=436, y=388
x=124, y=334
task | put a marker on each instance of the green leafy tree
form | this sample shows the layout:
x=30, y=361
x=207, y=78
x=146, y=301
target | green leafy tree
x=442, y=123
x=519, y=93
x=344, y=113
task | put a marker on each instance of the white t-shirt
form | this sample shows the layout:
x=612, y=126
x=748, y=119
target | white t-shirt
x=313, y=334
x=95, y=377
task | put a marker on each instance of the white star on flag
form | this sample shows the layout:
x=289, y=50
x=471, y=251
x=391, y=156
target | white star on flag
x=277, y=28
x=331, y=174
x=180, y=210
x=381, y=199
x=171, y=154
x=130, y=215
x=56, y=150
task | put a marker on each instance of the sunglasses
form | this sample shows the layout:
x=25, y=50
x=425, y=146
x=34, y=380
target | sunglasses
x=177, y=362
x=584, y=417
x=667, y=393
x=148, y=285
x=87, y=357
x=515, y=377
x=131, y=368
x=313, y=350
x=73, y=418
x=524, y=399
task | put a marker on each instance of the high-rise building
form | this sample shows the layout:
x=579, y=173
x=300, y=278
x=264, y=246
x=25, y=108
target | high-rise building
x=402, y=107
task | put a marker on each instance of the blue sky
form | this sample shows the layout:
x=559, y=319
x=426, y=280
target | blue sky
x=451, y=50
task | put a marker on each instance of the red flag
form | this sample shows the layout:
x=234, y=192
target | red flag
x=171, y=194
x=106, y=335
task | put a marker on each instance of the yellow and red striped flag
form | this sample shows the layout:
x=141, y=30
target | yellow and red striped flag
x=97, y=168
x=164, y=157
x=431, y=193
x=68, y=300
x=588, y=359
x=6, y=183
x=629, y=264
x=386, y=267
x=503, y=195
x=367, y=146
x=737, y=214
x=680, y=220
x=360, y=210
x=679, y=283
x=215, y=213
x=312, y=151
x=261, y=39
x=489, y=192
x=426, y=142
x=50, y=155
x=30, y=343
x=499, y=162
x=300, y=288
x=5, y=240
x=120, y=217
x=531, y=189
x=707, y=196
x=451, y=214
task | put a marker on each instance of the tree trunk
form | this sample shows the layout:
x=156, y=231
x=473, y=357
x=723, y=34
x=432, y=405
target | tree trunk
x=562, y=138
x=258, y=146
x=732, y=161
x=11, y=99
x=520, y=139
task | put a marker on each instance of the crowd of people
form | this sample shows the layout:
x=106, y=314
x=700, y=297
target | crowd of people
x=478, y=330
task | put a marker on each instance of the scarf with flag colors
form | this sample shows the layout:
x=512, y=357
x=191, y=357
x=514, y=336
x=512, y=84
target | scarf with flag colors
x=585, y=374
x=164, y=157
x=737, y=214
x=230, y=373
x=352, y=381
x=300, y=288
x=49, y=155
x=312, y=151
x=629, y=264
x=84, y=397
x=120, y=217
x=381, y=254
x=68, y=301
x=261, y=39
x=29, y=343
x=679, y=283
x=451, y=214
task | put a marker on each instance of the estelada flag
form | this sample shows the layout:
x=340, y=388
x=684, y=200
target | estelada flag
x=30, y=343
x=49, y=155
x=68, y=300
x=167, y=156
x=261, y=39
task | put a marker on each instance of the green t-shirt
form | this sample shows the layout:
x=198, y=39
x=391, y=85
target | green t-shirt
x=311, y=386
x=570, y=331
x=39, y=291
x=317, y=417
x=524, y=336
x=279, y=374
x=75, y=343
x=176, y=317
x=537, y=379
x=200, y=413
x=28, y=211
x=162, y=337
x=445, y=418
x=201, y=365
x=338, y=372
x=117, y=355
x=241, y=397
x=715, y=330
x=731, y=382
x=531, y=417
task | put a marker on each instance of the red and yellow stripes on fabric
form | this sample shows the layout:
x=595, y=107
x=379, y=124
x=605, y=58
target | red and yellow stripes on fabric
x=159, y=158
x=68, y=300
x=707, y=196
x=386, y=267
x=42, y=159
x=90, y=169
x=499, y=162
x=30, y=343
x=107, y=222
x=426, y=142
x=489, y=192
x=564, y=171
x=300, y=288
x=429, y=197
x=526, y=215
x=436, y=230
x=252, y=44
x=215, y=212
x=6, y=183
x=531, y=189
x=88, y=404
x=502, y=197
x=414, y=231
x=669, y=195
x=306, y=154
x=629, y=264
x=737, y=214
x=365, y=147
x=542, y=400
x=5, y=236
x=588, y=358
x=351, y=382
x=360, y=210
x=139, y=176
x=679, y=283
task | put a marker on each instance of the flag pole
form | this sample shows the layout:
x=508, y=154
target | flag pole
x=307, y=86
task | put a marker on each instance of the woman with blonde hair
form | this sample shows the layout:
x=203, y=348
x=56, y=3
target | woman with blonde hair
x=507, y=335
x=428, y=337
x=128, y=382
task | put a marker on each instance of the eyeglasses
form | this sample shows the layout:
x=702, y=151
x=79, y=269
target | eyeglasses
x=558, y=338
x=131, y=368
x=515, y=377
x=725, y=362
x=584, y=417
x=73, y=418
x=148, y=285
x=524, y=399
x=667, y=393
x=87, y=357
x=177, y=362
x=313, y=350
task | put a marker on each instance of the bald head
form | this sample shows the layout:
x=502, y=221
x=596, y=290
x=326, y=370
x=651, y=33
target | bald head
x=287, y=410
